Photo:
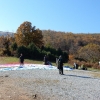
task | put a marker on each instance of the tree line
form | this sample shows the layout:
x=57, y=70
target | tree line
x=36, y=43
x=80, y=46
x=29, y=41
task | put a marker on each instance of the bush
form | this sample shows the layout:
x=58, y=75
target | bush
x=24, y=51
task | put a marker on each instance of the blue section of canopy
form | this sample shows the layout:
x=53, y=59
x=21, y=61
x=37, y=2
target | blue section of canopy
x=33, y=66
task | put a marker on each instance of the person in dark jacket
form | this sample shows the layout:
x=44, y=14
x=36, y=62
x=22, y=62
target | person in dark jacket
x=21, y=59
x=60, y=65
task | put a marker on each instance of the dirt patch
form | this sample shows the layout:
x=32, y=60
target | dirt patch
x=96, y=74
x=49, y=85
x=11, y=89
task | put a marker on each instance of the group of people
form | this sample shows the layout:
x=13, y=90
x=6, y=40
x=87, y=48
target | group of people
x=75, y=65
x=59, y=62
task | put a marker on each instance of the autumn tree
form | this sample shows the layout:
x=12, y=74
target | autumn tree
x=6, y=45
x=27, y=34
x=90, y=52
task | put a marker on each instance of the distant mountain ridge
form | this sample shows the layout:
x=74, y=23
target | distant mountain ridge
x=5, y=33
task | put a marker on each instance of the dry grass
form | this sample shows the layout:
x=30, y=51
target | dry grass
x=96, y=74
x=15, y=60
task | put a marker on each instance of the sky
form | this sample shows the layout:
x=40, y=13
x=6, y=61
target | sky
x=76, y=16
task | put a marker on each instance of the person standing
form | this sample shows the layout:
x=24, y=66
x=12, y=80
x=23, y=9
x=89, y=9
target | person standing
x=74, y=65
x=60, y=65
x=57, y=62
x=45, y=60
x=21, y=59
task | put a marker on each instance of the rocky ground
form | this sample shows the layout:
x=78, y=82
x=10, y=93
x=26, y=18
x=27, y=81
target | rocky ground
x=36, y=84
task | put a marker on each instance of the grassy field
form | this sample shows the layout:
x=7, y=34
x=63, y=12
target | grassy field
x=14, y=60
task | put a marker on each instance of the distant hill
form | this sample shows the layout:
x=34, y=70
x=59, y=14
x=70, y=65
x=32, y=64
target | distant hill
x=5, y=33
